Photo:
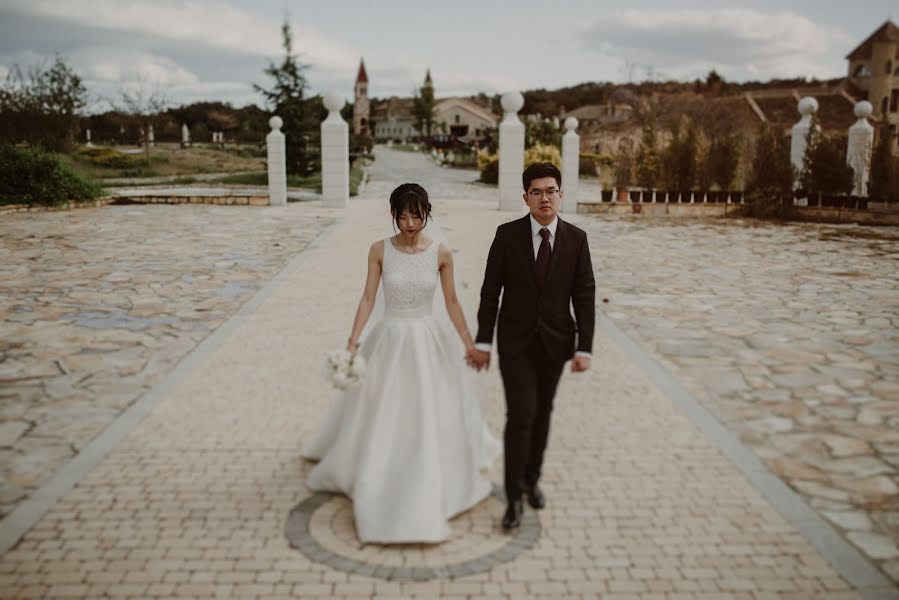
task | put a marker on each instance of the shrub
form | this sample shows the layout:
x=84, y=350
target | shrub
x=543, y=153
x=588, y=164
x=33, y=176
x=488, y=165
x=110, y=158
x=884, y=181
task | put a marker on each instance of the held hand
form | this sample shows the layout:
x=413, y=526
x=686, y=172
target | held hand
x=352, y=345
x=580, y=363
x=477, y=359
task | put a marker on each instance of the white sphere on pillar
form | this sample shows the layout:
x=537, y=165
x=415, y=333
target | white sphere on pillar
x=863, y=109
x=334, y=101
x=276, y=123
x=512, y=102
x=807, y=106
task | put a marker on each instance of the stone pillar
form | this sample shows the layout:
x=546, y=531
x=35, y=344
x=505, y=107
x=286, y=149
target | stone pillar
x=277, y=163
x=185, y=136
x=335, y=154
x=150, y=137
x=807, y=107
x=511, y=153
x=858, y=151
x=571, y=158
x=88, y=134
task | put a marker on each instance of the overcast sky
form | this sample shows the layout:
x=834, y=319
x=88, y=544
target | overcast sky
x=215, y=49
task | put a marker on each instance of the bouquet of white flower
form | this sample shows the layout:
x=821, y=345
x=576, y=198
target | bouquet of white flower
x=344, y=369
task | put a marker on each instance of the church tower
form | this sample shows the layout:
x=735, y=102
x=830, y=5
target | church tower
x=360, y=104
x=428, y=83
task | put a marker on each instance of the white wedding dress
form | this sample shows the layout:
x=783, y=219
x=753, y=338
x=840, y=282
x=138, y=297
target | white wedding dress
x=409, y=444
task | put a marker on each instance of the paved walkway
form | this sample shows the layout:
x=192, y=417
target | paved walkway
x=192, y=492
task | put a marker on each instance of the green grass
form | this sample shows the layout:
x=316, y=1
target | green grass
x=165, y=159
x=311, y=182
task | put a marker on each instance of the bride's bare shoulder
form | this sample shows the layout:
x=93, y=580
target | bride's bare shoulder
x=377, y=249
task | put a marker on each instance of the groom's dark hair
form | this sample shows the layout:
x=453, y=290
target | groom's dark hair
x=539, y=170
x=411, y=197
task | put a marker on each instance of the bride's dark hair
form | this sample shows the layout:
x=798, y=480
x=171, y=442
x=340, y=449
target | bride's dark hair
x=410, y=197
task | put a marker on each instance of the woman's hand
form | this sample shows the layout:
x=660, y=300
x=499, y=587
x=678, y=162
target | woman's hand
x=352, y=345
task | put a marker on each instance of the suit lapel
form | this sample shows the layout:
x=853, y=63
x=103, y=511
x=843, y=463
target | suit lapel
x=527, y=246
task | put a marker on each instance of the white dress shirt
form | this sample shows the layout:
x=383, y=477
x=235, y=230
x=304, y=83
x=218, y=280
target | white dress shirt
x=536, y=239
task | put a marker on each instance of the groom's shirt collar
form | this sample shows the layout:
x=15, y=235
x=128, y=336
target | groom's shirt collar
x=536, y=227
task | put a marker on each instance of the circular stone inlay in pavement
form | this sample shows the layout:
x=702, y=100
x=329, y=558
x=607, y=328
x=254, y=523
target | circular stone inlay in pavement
x=323, y=529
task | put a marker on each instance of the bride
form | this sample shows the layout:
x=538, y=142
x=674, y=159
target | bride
x=408, y=445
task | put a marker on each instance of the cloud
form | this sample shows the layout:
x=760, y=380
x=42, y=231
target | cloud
x=204, y=22
x=113, y=64
x=739, y=43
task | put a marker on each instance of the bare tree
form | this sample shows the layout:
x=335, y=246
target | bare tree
x=142, y=101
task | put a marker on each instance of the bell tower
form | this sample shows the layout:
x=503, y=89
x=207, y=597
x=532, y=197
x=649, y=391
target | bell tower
x=361, y=104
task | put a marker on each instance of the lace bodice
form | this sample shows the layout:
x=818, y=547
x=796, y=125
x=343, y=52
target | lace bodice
x=409, y=280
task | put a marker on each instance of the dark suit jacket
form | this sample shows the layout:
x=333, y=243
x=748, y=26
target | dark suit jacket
x=527, y=311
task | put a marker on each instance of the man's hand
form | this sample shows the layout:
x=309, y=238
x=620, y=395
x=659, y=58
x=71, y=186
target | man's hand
x=580, y=363
x=477, y=359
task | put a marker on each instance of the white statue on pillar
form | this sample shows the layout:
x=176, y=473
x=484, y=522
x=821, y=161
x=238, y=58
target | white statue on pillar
x=808, y=106
x=150, y=137
x=335, y=154
x=858, y=151
x=88, y=134
x=511, y=153
x=571, y=156
x=277, y=163
x=185, y=136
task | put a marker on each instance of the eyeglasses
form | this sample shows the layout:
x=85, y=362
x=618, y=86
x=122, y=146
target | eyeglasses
x=551, y=194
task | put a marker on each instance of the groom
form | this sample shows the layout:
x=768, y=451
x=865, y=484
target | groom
x=541, y=264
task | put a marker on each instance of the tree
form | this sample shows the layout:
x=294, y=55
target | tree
x=143, y=103
x=770, y=178
x=423, y=111
x=287, y=99
x=812, y=137
x=649, y=164
x=41, y=108
x=829, y=173
x=542, y=132
x=623, y=170
x=723, y=158
x=883, y=177
x=679, y=159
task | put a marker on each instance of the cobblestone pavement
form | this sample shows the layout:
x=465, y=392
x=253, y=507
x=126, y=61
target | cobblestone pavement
x=194, y=501
x=96, y=305
x=790, y=335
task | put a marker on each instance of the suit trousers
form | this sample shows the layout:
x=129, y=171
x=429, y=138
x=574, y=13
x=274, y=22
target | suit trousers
x=530, y=379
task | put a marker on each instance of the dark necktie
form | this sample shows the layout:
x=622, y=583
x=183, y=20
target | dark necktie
x=541, y=266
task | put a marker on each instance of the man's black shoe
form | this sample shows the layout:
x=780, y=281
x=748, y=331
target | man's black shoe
x=535, y=497
x=512, y=518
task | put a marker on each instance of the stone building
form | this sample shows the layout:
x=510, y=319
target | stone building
x=464, y=120
x=394, y=119
x=604, y=127
x=874, y=71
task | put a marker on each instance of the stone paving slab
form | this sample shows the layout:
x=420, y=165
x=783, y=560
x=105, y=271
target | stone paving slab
x=789, y=334
x=97, y=305
x=193, y=502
